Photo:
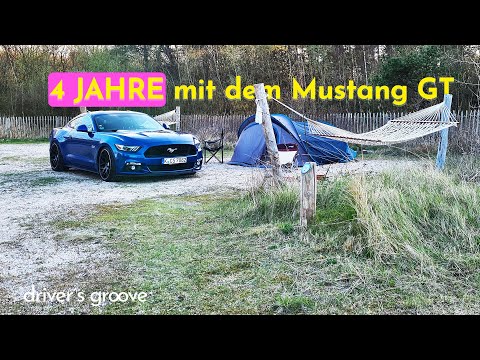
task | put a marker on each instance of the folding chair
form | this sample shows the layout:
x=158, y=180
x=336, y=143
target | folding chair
x=213, y=147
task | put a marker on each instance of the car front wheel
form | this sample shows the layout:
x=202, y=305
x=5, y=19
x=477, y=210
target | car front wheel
x=106, y=165
x=56, y=158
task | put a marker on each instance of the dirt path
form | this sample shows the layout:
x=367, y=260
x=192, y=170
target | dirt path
x=33, y=197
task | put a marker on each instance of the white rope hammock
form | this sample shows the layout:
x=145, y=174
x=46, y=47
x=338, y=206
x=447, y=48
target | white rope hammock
x=168, y=118
x=404, y=128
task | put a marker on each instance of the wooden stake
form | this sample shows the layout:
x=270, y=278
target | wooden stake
x=272, y=150
x=308, y=193
x=442, y=146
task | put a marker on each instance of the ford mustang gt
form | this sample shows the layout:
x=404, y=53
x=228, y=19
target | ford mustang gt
x=116, y=143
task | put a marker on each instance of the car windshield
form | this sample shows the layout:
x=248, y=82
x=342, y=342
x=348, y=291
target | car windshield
x=126, y=121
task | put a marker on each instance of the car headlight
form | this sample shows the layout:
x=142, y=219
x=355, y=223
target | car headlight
x=197, y=143
x=127, y=148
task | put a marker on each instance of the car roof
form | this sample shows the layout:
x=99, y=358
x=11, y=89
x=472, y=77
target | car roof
x=106, y=112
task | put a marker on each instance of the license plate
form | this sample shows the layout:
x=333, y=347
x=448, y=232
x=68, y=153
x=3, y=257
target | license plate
x=175, y=160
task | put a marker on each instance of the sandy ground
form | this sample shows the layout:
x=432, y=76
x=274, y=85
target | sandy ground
x=33, y=197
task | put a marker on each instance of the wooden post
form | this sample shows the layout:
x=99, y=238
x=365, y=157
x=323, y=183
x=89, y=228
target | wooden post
x=58, y=123
x=442, y=146
x=258, y=114
x=177, y=118
x=308, y=193
x=272, y=150
x=8, y=128
x=83, y=109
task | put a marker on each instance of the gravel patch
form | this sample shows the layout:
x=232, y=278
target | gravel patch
x=32, y=196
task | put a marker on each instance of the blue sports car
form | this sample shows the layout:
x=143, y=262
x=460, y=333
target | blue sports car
x=115, y=143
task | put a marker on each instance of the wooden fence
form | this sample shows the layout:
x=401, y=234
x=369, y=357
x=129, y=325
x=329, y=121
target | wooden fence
x=466, y=137
x=210, y=126
x=29, y=127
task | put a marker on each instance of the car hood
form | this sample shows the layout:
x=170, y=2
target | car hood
x=151, y=137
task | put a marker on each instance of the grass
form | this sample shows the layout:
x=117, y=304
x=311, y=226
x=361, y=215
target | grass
x=45, y=181
x=390, y=243
x=395, y=152
x=24, y=141
x=29, y=178
x=464, y=167
x=227, y=152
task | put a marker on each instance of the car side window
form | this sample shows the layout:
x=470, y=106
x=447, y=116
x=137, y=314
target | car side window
x=73, y=123
x=85, y=120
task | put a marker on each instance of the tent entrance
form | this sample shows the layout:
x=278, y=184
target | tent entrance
x=287, y=153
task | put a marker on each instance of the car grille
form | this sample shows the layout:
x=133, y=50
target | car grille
x=185, y=166
x=179, y=150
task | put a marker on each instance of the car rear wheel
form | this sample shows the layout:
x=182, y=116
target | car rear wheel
x=106, y=165
x=56, y=158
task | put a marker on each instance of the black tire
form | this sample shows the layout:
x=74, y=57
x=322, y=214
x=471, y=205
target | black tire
x=106, y=165
x=56, y=158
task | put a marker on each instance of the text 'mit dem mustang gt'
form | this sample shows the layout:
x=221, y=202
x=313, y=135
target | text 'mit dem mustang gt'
x=116, y=143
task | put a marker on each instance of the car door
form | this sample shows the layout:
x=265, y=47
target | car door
x=70, y=156
x=83, y=145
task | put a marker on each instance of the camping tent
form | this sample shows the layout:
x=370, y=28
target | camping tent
x=251, y=149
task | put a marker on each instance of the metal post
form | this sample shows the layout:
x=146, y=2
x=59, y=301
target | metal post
x=442, y=146
x=177, y=118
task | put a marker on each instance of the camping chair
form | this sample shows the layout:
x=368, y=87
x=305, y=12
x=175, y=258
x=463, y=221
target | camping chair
x=213, y=147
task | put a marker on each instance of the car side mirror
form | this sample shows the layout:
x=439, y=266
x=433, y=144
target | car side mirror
x=82, y=128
